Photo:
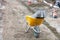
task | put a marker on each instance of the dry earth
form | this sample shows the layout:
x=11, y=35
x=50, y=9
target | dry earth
x=14, y=23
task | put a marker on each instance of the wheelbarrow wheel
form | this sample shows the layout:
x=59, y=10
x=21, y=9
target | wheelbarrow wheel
x=36, y=34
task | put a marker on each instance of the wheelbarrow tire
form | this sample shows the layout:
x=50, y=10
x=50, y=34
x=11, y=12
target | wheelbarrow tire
x=35, y=33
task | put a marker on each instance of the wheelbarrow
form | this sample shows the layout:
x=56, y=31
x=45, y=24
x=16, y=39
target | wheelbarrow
x=34, y=24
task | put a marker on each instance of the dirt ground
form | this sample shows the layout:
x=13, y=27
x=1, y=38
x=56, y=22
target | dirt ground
x=14, y=23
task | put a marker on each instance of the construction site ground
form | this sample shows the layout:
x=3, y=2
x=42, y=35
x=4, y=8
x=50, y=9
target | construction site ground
x=13, y=23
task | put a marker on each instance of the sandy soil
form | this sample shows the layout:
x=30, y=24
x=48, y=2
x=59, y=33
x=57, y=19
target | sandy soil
x=14, y=23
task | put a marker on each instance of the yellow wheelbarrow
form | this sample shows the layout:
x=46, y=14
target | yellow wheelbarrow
x=34, y=24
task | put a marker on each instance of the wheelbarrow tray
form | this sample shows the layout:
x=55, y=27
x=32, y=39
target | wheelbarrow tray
x=34, y=21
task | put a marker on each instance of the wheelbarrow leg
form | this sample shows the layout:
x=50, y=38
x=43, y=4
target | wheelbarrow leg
x=27, y=28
